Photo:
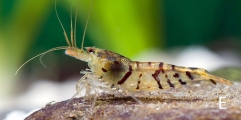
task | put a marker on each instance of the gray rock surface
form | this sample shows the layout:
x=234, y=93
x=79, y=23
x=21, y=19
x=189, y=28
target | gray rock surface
x=186, y=103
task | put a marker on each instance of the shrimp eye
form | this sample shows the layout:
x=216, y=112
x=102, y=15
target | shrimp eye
x=91, y=50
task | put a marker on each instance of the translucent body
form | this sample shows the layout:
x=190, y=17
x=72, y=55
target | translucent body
x=118, y=71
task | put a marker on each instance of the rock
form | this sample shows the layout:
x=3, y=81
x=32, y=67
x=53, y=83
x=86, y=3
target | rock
x=185, y=103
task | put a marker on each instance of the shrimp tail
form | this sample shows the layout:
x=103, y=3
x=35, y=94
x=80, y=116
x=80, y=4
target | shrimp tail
x=215, y=79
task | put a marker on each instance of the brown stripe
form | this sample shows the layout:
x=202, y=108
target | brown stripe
x=183, y=83
x=139, y=81
x=176, y=75
x=104, y=70
x=161, y=67
x=170, y=84
x=137, y=65
x=137, y=87
x=166, y=75
x=157, y=80
x=157, y=72
x=140, y=75
x=189, y=75
x=125, y=78
x=127, y=75
x=149, y=64
x=213, y=81
x=130, y=68
x=173, y=67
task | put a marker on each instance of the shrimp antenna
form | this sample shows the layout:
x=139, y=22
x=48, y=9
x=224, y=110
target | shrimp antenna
x=65, y=34
x=73, y=31
x=71, y=43
x=53, y=49
x=75, y=23
x=86, y=24
x=71, y=25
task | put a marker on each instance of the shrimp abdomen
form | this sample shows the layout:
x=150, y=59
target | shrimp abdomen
x=158, y=75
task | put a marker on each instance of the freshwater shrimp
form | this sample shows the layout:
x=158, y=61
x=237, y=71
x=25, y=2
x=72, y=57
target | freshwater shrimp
x=111, y=71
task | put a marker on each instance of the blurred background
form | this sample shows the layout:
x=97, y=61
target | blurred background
x=204, y=34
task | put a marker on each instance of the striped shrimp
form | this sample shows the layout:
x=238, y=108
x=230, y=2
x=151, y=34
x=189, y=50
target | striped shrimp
x=110, y=71
x=133, y=76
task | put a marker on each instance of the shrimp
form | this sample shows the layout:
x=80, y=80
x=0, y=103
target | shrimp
x=119, y=71
x=111, y=71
